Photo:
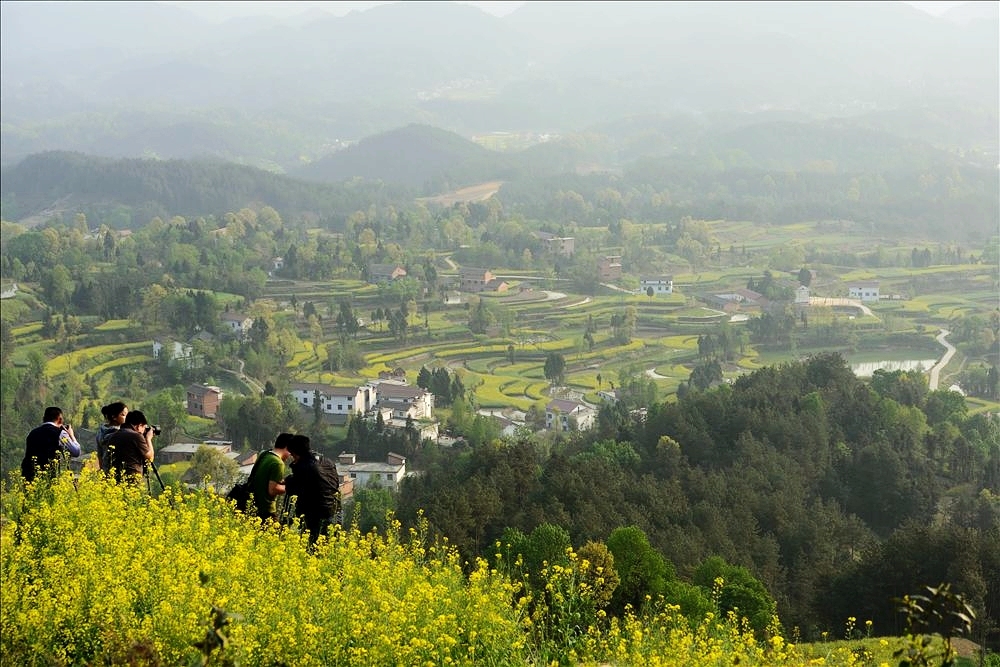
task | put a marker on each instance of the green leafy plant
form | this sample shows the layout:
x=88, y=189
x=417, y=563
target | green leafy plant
x=941, y=612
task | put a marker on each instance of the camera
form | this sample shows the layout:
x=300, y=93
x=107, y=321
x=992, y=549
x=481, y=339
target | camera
x=155, y=429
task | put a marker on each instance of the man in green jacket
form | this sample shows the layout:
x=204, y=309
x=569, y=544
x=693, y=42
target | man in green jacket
x=267, y=480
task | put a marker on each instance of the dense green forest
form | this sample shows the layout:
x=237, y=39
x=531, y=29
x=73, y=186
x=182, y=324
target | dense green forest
x=838, y=494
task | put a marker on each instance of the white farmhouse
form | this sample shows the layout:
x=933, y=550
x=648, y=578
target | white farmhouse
x=561, y=415
x=865, y=290
x=385, y=475
x=660, y=284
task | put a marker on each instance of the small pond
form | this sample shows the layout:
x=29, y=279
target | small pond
x=865, y=369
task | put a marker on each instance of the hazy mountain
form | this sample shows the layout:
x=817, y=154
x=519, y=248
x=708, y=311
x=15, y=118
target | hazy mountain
x=424, y=160
x=794, y=146
x=970, y=12
x=62, y=181
x=558, y=67
x=418, y=156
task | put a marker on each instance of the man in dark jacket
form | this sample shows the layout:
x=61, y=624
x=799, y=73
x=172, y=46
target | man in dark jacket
x=46, y=444
x=316, y=502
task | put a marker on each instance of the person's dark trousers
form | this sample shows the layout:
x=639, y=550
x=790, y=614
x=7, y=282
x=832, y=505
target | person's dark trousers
x=317, y=525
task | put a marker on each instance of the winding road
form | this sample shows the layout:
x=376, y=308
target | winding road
x=949, y=353
x=254, y=384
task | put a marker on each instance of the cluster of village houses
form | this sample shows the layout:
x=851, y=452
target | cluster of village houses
x=390, y=397
x=401, y=405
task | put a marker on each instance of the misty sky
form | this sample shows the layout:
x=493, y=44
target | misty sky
x=224, y=10
x=220, y=11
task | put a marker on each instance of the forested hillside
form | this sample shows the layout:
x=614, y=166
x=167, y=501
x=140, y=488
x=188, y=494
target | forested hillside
x=840, y=495
x=650, y=169
x=128, y=190
x=419, y=156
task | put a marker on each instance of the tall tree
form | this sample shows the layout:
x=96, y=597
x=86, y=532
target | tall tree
x=555, y=367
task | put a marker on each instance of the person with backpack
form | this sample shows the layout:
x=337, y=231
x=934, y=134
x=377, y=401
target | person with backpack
x=114, y=417
x=131, y=448
x=267, y=478
x=45, y=445
x=316, y=484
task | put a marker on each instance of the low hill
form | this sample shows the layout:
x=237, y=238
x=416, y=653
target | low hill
x=418, y=156
x=76, y=181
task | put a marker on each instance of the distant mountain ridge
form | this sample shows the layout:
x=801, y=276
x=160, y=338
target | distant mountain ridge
x=420, y=160
x=556, y=67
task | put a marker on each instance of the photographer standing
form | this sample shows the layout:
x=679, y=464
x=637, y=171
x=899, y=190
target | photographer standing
x=114, y=417
x=131, y=448
x=45, y=444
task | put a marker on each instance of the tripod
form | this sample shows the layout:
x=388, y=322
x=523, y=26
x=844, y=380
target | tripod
x=152, y=466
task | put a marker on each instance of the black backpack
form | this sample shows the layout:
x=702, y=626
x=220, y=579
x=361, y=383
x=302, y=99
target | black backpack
x=329, y=497
x=240, y=493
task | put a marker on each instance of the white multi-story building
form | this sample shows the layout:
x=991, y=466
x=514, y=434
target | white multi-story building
x=335, y=400
x=237, y=323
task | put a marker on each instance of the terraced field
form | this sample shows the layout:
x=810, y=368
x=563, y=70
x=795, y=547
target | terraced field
x=537, y=322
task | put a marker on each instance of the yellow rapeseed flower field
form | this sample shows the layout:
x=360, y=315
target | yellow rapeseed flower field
x=92, y=572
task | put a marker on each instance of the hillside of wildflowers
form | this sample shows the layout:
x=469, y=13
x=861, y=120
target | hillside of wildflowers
x=96, y=573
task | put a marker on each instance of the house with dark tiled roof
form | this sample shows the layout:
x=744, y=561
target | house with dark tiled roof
x=497, y=285
x=475, y=280
x=566, y=415
x=237, y=324
x=385, y=273
x=405, y=401
x=364, y=474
